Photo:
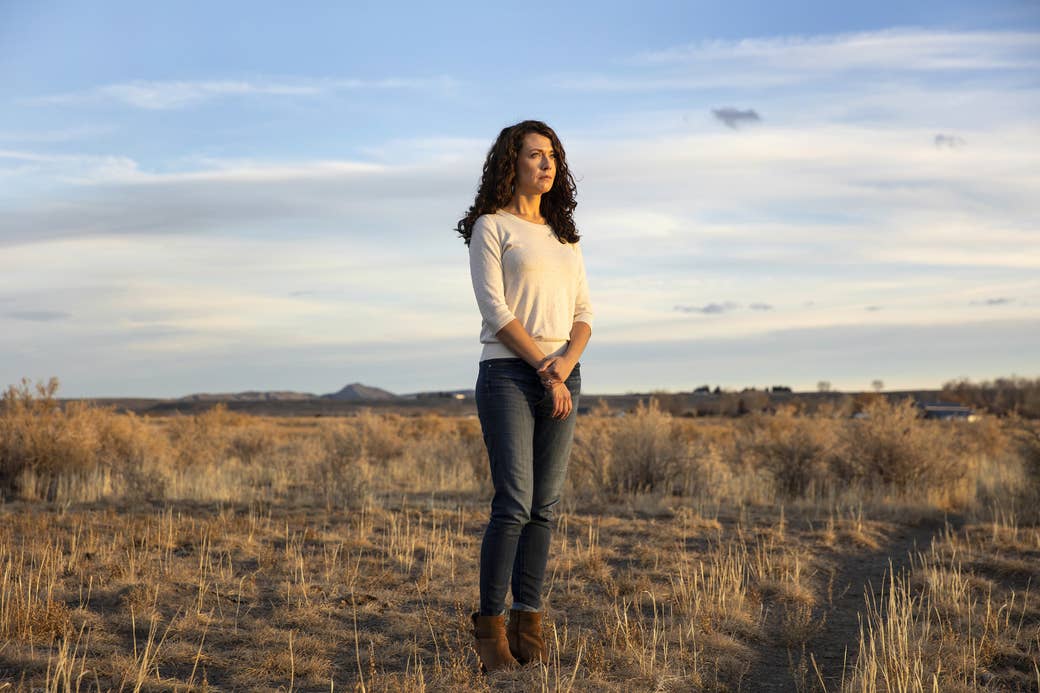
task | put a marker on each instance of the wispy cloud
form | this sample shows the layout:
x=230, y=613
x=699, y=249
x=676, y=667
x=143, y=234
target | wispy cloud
x=898, y=48
x=721, y=307
x=950, y=141
x=734, y=117
x=850, y=355
x=709, y=308
x=34, y=156
x=232, y=198
x=37, y=315
x=27, y=168
x=53, y=136
x=174, y=94
x=774, y=197
x=787, y=60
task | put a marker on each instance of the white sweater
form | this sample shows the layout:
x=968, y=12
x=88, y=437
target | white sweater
x=521, y=270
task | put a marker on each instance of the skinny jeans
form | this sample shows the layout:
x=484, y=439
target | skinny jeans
x=528, y=452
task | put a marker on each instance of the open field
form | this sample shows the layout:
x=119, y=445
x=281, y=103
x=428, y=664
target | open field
x=223, y=551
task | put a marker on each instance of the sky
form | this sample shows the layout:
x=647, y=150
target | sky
x=218, y=197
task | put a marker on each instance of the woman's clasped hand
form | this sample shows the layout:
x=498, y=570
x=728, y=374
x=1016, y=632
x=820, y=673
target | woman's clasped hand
x=554, y=371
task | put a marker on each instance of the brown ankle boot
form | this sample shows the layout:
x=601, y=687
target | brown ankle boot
x=492, y=646
x=525, y=636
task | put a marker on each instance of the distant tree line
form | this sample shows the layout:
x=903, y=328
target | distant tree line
x=706, y=389
x=1001, y=396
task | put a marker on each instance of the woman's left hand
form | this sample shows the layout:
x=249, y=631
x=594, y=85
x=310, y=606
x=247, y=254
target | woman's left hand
x=562, y=404
x=556, y=369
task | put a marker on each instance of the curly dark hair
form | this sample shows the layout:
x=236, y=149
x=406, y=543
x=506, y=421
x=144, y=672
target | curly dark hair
x=496, y=183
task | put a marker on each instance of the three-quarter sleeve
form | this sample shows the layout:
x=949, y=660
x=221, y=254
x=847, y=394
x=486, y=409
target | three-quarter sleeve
x=485, y=268
x=582, y=304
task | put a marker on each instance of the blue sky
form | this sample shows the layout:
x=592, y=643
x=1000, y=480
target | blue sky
x=230, y=196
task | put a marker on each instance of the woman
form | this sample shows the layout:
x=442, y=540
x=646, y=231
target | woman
x=529, y=280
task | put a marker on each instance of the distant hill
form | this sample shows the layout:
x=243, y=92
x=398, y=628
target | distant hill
x=248, y=396
x=357, y=392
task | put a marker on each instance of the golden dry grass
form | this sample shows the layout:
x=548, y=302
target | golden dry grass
x=228, y=552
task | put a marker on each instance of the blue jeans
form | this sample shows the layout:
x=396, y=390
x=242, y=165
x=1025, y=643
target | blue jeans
x=528, y=452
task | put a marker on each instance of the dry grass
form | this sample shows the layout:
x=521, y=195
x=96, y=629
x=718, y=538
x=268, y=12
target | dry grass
x=964, y=618
x=228, y=552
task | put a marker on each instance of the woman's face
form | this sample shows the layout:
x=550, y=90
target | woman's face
x=535, y=166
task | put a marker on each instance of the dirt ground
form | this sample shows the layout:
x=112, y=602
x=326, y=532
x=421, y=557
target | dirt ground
x=656, y=597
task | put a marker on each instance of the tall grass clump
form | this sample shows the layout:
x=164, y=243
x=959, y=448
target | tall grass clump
x=446, y=454
x=343, y=471
x=888, y=452
x=425, y=453
x=795, y=451
x=945, y=625
x=646, y=451
x=1027, y=436
x=892, y=448
x=217, y=434
x=1025, y=441
x=50, y=451
x=640, y=452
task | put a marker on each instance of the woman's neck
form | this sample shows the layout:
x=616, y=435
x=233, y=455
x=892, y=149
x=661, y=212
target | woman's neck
x=526, y=207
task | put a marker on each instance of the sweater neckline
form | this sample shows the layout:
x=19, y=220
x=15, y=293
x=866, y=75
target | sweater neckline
x=510, y=214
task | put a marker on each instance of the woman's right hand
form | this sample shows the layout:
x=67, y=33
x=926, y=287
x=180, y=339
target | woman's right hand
x=562, y=404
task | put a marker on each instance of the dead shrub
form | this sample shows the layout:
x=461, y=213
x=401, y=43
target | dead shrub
x=381, y=438
x=793, y=450
x=213, y=438
x=135, y=452
x=341, y=440
x=46, y=447
x=342, y=471
x=454, y=459
x=1027, y=438
x=641, y=452
x=893, y=448
x=592, y=455
x=646, y=451
x=1025, y=441
x=37, y=434
x=252, y=443
x=202, y=440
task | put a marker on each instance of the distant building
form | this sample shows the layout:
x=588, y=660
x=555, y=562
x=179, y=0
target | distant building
x=946, y=411
x=440, y=395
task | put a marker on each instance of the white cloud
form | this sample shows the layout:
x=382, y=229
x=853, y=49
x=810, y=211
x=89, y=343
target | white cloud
x=836, y=63
x=890, y=49
x=778, y=212
x=164, y=293
x=68, y=168
x=849, y=355
x=427, y=150
x=176, y=94
x=68, y=134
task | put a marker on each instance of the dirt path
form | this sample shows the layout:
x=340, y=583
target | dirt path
x=845, y=577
